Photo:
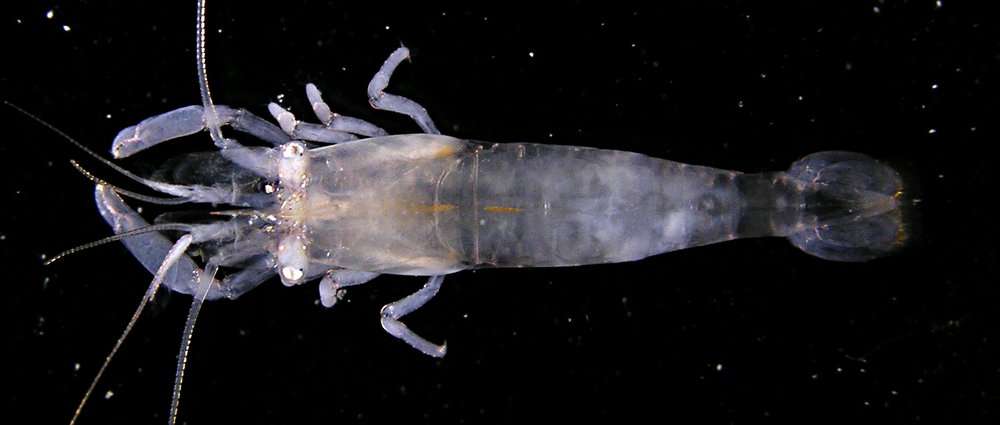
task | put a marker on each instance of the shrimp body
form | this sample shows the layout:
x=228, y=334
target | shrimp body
x=343, y=201
x=430, y=204
x=370, y=203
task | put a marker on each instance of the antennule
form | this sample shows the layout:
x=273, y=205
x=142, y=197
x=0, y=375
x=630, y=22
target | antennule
x=211, y=116
x=152, y=184
x=134, y=195
x=173, y=256
x=135, y=232
x=73, y=141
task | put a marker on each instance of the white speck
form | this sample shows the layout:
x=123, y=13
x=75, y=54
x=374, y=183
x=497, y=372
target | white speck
x=739, y=103
x=937, y=4
x=108, y=116
x=867, y=403
x=531, y=54
x=76, y=367
x=50, y=14
x=877, y=10
x=66, y=28
x=814, y=376
x=3, y=237
x=940, y=176
x=387, y=28
x=894, y=392
x=551, y=135
x=109, y=394
x=19, y=20
x=718, y=367
x=219, y=30
x=280, y=97
x=934, y=86
x=465, y=316
x=482, y=222
x=43, y=257
x=763, y=75
x=800, y=98
x=633, y=44
x=932, y=131
x=839, y=369
x=138, y=210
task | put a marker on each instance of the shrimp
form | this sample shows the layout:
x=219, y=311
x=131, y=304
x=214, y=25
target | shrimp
x=342, y=201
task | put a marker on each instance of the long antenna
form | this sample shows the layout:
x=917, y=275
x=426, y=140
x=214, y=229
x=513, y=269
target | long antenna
x=172, y=257
x=212, y=122
x=128, y=193
x=158, y=186
x=204, y=285
x=211, y=116
x=119, y=236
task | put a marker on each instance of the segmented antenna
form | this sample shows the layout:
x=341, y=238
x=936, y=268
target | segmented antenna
x=212, y=122
x=128, y=193
x=211, y=116
x=173, y=256
x=145, y=182
x=117, y=237
x=204, y=285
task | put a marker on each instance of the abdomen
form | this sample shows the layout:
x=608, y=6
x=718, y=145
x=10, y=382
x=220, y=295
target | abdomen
x=545, y=205
x=421, y=204
x=425, y=205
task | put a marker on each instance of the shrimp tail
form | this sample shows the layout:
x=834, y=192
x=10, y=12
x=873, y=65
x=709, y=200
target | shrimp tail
x=852, y=207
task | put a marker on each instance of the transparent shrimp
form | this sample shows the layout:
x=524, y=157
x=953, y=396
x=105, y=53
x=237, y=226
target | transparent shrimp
x=342, y=201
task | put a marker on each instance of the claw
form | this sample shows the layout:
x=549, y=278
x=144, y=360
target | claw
x=149, y=248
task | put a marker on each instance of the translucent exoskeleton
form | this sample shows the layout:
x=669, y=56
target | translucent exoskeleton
x=342, y=201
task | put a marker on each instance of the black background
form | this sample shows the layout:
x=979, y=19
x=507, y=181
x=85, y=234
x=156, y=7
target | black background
x=750, y=331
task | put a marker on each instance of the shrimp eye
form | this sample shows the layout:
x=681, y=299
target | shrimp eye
x=292, y=150
x=266, y=186
x=292, y=273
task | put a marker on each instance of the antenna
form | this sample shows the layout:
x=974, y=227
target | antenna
x=172, y=257
x=155, y=185
x=211, y=116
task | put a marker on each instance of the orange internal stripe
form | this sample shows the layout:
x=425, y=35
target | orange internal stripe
x=444, y=152
x=498, y=209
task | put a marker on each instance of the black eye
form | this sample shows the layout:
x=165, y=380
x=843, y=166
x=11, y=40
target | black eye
x=265, y=186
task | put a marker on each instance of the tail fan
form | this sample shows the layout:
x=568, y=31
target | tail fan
x=852, y=207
